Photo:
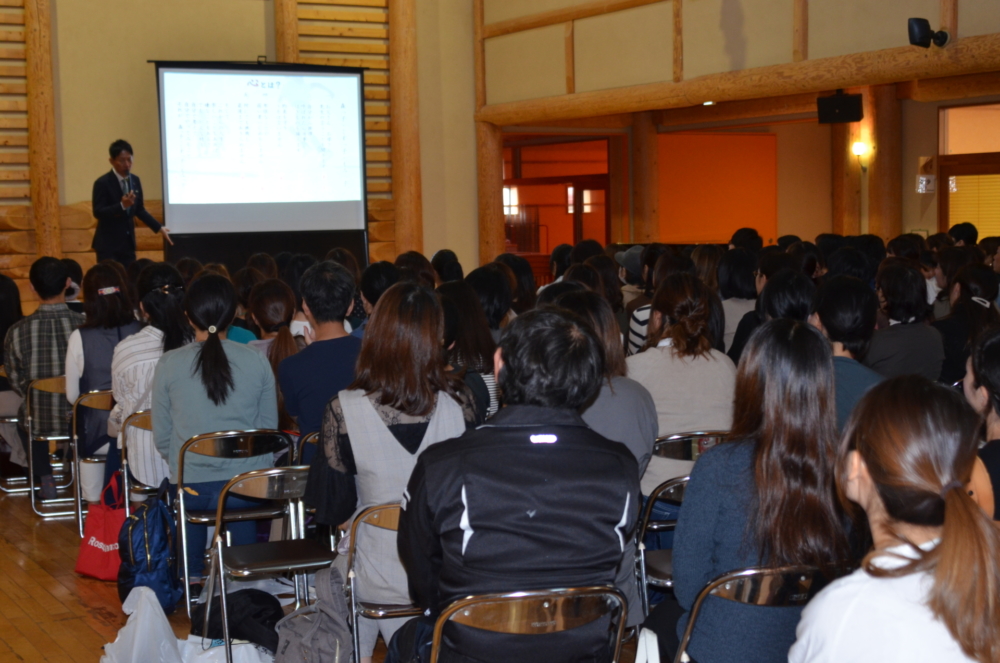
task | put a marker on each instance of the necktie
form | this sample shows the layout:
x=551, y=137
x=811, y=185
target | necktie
x=125, y=186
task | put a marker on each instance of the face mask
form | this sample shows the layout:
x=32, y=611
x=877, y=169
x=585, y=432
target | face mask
x=932, y=290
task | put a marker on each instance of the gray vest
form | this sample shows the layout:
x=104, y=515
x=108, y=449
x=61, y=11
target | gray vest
x=98, y=350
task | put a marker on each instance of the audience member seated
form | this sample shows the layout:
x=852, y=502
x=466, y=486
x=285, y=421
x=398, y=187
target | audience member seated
x=848, y=261
x=612, y=287
x=981, y=385
x=525, y=290
x=272, y=306
x=10, y=401
x=161, y=294
x=690, y=382
x=447, y=266
x=928, y=590
x=244, y=281
x=401, y=402
x=110, y=318
x=786, y=241
x=554, y=291
x=764, y=499
x=737, y=289
x=586, y=276
x=413, y=266
x=375, y=280
x=208, y=386
x=746, y=238
x=908, y=345
x=292, y=276
x=972, y=300
x=558, y=264
x=76, y=280
x=35, y=348
x=770, y=263
x=650, y=256
x=468, y=343
x=810, y=259
x=264, y=264
x=495, y=295
x=188, y=267
x=964, y=234
x=844, y=311
x=949, y=262
x=535, y=500
x=630, y=274
x=669, y=262
x=310, y=378
x=346, y=259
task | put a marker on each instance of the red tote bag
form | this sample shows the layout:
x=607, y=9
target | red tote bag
x=99, y=549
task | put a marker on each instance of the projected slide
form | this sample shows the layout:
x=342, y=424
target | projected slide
x=261, y=150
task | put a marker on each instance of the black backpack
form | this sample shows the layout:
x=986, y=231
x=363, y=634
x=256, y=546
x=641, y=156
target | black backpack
x=147, y=546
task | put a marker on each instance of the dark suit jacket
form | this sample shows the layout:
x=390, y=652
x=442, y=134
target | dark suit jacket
x=116, y=226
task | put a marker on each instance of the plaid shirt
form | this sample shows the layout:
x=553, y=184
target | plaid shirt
x=35, y=348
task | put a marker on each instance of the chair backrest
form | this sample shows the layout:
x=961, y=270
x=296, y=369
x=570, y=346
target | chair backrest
x=672, y=490
x=56, y=385
x=277, y=483
x=385, y=516
x=142, y=419
x=234, y=444
x=686, y=446
x=785, y=586
x=311, y=438
x=537, y=613
x=95, y=400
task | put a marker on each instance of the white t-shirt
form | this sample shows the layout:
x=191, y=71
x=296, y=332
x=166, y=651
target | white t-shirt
x=862, y=618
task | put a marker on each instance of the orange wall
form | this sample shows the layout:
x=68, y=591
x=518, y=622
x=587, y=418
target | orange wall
x=712, y=184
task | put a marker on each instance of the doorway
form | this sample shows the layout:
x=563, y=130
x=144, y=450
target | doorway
x=969, y=168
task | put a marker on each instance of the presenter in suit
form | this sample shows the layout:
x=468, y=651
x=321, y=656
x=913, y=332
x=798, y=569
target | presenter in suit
x=117, y=201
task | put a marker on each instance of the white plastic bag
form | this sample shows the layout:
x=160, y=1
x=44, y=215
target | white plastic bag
x=193, y=651
x=648, y=648
x=146, y=636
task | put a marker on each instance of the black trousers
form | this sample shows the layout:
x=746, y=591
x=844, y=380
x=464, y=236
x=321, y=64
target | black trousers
x=662, y=621
x=125, y=257
x=39, y=454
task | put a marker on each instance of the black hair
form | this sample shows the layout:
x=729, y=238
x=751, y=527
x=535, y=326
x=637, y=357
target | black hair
x=74, y=271
x=978, y=290
x=294, y=271
x=986, y=365
x=281, y=260
x=827, y=243
x=585, y=248
x=904, y=290
x=160, y=290
x=118, y=147
x=874, y=249
x=650, y=256
x=560, y=259
x=188, y=268
x=787, y=240
x=328, y=289
x=493, y=289
x=447, y=266
x=210, y=305
x=10, y=304
x=848, y=261
x=906, y=246
x=553, y=291
x=244, y=281
x=525, y=293
x=747, y=238
x=787, y=295
x=964, y=232
x=847, y=307
x=48, y=277
x=551, y=358
x=951, y=260
x=107, y=301
x=736, y=274
x=376, y=279
x=772, y=260
x=810, y=258
x=466, y=327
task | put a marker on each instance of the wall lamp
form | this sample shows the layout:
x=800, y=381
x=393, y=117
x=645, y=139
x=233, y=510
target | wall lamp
x=922, y=34
x=860, y=149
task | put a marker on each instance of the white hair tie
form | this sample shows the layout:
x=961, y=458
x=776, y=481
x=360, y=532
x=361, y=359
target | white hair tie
x=212, y=329
x=982, y=302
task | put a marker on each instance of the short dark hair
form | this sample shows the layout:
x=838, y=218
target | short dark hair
x=736, y=274
x=118, y=147
x=964, y=232
x=553, y=291
x=560, y=258
x=907, y=245
x=73, y=270
x=848, y=261
x=293, y=272
x=585, y=248
x=773, y=260
x=376, y=279
x=787, y=240
x=447, y=266
x=847, y=308
x=904, y=290
x=830, y=242
x=747, y=238
x=328, y=289
x=551, y=358
x=788, y=295
x=48, y=277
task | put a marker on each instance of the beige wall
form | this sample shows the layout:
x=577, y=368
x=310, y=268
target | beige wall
x=970, y=129
x=643, y=42
x=724, y=30
x=105, y=89
x=447, y=129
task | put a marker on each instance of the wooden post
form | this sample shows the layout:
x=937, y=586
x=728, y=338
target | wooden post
x=570, y=59
x=617, y=182
x=479, y=53
x=489, y=159
x=885, y=170
x=286, y=30
x=800, y=30
x=678, y=41
x=949, y=17
x=405, y=123
x=645, y=179
x=42, y=128
x=846, y=179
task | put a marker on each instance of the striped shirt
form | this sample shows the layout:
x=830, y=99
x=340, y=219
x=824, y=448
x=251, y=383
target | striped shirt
x=35, y=348
x=638, y=329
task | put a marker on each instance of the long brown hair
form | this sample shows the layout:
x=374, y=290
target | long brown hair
x=918, y=440
x=272, y=305
x=706, y=258
x=784, y=404
x=685, y=307
x=401, y=351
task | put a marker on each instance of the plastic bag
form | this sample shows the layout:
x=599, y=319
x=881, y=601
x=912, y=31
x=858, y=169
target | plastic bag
x=194, y=651
x=147, y=636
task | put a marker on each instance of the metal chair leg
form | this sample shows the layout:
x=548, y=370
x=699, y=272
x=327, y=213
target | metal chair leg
x=223, y=604
x=125, y=486
x=355, y=629
x=182, y=528
x=643, y=587
x=78, y=488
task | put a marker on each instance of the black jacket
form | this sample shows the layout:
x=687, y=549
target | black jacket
x=506, y=507
x=116, y=226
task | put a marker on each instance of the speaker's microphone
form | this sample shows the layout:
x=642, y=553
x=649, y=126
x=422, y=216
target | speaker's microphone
x=128, y=183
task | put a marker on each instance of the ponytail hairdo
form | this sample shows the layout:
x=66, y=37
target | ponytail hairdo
x=210, y=305
x=160, y=290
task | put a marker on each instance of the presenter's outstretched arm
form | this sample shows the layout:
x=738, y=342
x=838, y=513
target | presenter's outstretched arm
x=166, y=235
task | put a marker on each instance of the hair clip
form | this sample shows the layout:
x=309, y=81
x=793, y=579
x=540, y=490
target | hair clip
x=982, y=302
x=110, y=290
x=212, y=329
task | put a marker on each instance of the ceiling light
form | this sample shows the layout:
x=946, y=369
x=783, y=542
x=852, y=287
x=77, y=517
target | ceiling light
x=708, y=103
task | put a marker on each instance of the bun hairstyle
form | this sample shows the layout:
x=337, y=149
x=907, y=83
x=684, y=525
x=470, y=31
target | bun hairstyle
x=685, y=307
x=211, y=306
x=160, y=290
x=918, y=440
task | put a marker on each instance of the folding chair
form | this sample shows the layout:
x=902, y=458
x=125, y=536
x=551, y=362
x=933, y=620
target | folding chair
x=56, y=385
x=656, y=567
x=229, y=445
x=311, y=438
x=786, y=586
x=384, y=516
x=537, y=613
x=95, y=400
x=142, y=419
x=687, y=446
x=297, y=555
x=12, y=484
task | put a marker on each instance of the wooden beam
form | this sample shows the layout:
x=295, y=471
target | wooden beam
x=885, y=169
x=405, y=118
x=949, y=18
x=489, y=161
x=570, y=60
x=618, y=159
x=678, y=41
x=738, y=110
x=557, y=16
x=645, y=179
x=286, y=30
x=479, y=53
x=846, y=172
x=971, y=55
x=42, y=128
x=952, y=87
x=800, y=30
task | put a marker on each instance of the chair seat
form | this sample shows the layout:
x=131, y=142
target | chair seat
x=277, y=557
x=660, y=568
x=387, y=610
x=142, y=489
x=258, y=513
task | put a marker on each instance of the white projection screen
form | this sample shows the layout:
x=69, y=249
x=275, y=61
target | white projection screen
x=261, y=148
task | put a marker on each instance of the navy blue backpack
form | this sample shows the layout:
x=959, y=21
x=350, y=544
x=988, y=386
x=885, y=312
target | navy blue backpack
x=147, y=546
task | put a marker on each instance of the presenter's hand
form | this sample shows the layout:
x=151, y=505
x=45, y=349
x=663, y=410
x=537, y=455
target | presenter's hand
x=166, y=235
x=128, y=200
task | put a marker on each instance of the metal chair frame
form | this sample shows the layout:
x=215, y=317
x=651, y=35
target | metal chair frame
x=677, y=445
x=143, y=419
x=536, y=612
x=230, y=445
x=95, y=400
x=311, y=438
x=673, y=490
x=283, y=483
x=784, y=586
x=12, y=484
x=53, y=385
x=385, y=516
